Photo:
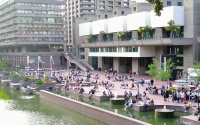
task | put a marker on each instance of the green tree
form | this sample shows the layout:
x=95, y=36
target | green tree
x=153, y=69
x=39, y=82
x=14, y=76
x=178, y=30
x=25, y=79
x=120, y=35
x=125, y=33
x=171, y=28
x=158, y=6
x=102, y=35
x=2, y=64
x=148, y=30
x=3, y=95
x=166, y=70
x=21, y=65
x=90, y=38
x=142, y=31
x=196, y=70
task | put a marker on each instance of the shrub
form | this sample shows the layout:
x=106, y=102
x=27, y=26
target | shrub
x=172, y=88
x=8, y=64
x=87, y=79
x=6, y=73
x=42, y=72
x=21, y=74
x=25, y=79
x=14, y=76
x=33, y=77
x=12, y=72
x=69, y=76
x=46, y=79
x=39, y=82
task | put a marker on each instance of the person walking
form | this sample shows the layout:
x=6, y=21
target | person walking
x=182, y=94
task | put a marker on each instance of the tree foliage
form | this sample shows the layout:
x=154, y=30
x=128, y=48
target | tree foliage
x=25, y=79
x=6, y=73
x=166, y=70
x=21, y=65
x=171, y=27
x=39, y=82
x=90, y=37
x=122, y=35
x=145, y=30
x=102, y=34
x=178, y=30
x=196, y=70
x=153, y=68
x=158, y=6
x=14, y=76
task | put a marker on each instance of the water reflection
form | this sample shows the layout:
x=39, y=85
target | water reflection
x=120, y=109
x=31, y=110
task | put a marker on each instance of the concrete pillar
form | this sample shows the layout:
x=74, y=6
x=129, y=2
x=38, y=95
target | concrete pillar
x=160, y=50
x=158, y=33
x=116, y=63
x=100, y=62
x=134, y=35
x=135, y=64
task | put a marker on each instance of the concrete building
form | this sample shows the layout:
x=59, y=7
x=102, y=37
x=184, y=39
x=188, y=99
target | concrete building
x=31, y=28
x=134, y=52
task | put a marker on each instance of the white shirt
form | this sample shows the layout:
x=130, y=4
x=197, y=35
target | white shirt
x=182, y=94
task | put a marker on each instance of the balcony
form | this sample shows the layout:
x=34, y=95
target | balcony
x=31, y=43
x=31, y=54
x=140, y=42
x=32, y=35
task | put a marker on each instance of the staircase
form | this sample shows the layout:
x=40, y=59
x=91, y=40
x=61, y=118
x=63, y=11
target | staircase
x=80, y=63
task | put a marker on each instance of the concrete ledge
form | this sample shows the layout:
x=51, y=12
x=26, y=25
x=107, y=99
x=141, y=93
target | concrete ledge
x=89, y=110
x=141, y=108
x=190, y=120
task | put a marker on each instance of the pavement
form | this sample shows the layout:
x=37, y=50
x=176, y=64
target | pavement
x=158, y=99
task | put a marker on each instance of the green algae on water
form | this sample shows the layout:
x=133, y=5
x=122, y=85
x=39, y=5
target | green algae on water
x=3, y=95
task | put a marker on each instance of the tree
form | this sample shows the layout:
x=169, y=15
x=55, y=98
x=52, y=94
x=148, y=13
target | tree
x=158, y=6
x=178, y=30
x=148, y=30
x=121, y=36
x=21, y=65
x=125, y=34
x=166, y=70
x=90, y=38
x=142, y=31
x=108, y=36
x=102, y=34
x=196, y=70
x=153, y=69
x=171, y=27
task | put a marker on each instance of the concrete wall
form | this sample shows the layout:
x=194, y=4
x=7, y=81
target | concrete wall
x=89, y=110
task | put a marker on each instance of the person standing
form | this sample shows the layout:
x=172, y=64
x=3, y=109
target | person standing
x=182, y=96
x=167, y=95
x=177, y=95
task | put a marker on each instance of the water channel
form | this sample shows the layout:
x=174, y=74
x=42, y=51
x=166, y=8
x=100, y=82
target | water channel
x=32, y=110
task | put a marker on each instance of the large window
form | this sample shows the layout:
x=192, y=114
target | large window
x=179, y=61
x=82, y=50
x=179, y=3
x=82, y=56
x=135, y=49
x=174, y=49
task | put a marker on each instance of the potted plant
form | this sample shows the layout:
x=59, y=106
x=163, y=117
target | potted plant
x=87, y=80
x=25, y=79
x=42, y=72
x=39, y=82
x=69, y=76
x=14, y=76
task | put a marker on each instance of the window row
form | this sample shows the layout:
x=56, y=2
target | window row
x=38, y=12
x=114, y=49
x=174, y=49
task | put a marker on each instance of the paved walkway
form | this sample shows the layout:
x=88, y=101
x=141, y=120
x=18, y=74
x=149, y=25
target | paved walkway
x=158, y=99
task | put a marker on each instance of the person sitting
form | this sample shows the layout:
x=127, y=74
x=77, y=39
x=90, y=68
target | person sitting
x=122, y=85
x=196, y=111
x=130, y=94
x=145, y=104
x=125, y=94
x=162, y=89
x=104, y=93
x=151, y=102
x=110, y=94
x=137, y=95
x=198, y=117
x=90, y=93
x=67, y=86
x=141, y=82
x=81, y=91
x=130, y=102
x=28, y=87
x=132, y=86
x=189, y=104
